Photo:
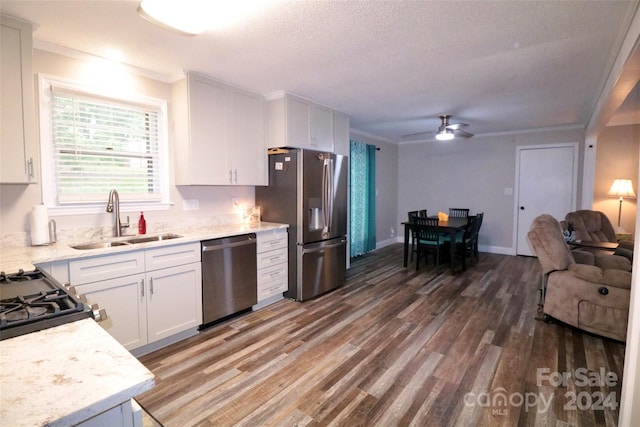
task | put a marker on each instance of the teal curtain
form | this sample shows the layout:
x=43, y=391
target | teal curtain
x=363, y=198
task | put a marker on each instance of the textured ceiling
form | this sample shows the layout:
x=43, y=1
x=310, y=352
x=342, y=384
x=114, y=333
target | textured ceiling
x=394, y=66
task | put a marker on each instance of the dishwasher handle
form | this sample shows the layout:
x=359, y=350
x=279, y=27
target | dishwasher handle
x=219, y=244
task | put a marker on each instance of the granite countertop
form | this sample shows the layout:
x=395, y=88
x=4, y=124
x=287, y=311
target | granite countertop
x=66, y=374
x=24, y=257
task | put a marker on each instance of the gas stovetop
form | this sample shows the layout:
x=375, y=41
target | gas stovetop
x=32, y=301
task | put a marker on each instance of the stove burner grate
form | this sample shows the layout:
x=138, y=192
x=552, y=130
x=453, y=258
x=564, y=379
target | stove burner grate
x=31, y=301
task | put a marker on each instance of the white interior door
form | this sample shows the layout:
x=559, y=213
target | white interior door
x=546, y=184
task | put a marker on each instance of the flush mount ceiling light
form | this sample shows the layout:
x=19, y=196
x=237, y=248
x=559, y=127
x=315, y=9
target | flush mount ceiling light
x=192, y=17
x=445, y=135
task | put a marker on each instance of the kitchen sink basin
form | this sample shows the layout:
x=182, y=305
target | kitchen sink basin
x=99, y=245
x=146, y=239
x=126, y=242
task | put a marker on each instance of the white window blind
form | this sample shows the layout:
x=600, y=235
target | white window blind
x=100, y=144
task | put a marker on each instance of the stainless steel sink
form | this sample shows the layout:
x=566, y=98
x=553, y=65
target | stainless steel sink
x=126, y=242
x=99, y=245
x=146, y=239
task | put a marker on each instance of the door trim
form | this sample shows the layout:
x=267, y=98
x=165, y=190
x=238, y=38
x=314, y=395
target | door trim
x=516, y=186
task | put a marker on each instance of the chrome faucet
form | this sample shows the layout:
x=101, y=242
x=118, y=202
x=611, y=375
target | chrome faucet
x=113, y=205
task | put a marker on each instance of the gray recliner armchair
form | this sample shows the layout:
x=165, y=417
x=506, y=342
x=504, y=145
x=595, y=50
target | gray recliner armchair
x=594, y=298
x=595, y=226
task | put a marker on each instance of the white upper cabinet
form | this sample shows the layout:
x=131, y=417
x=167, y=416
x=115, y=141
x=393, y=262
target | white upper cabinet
x=248, y=151
x=321, y=127
x=18, y=145
x=341, y=133
x=219, y=134
x=296, y=122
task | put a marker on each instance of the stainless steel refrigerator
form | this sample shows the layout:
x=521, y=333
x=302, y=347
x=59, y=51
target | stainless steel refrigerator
x=308, y=190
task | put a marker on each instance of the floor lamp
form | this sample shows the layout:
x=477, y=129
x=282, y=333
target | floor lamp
x=623, y=189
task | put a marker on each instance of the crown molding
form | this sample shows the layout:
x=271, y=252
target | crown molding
x=84, y=56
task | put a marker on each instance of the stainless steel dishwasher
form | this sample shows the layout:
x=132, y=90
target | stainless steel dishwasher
x=229, y=279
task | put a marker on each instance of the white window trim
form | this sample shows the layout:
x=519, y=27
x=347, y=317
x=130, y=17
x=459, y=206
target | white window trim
x=45, y=83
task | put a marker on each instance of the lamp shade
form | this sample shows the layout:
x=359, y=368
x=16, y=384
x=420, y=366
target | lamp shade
x=622, y=188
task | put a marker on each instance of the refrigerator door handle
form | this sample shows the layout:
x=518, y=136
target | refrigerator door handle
x=331, y=195
x=323, y=247
x=327, y=196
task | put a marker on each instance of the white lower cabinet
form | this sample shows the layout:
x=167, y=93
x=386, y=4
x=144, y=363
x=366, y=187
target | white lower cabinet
x=128, y=414
x=174, y=300
x=158, y=293
x=124, y=301
x=272, y=263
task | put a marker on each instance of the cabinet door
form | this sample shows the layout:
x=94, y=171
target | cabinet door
x=298, y=132
x=208, y=101
x=174, y=300
x=341, y=129
x=17, y=114
x=247, y=144
x=124, y=300
x=321, y=128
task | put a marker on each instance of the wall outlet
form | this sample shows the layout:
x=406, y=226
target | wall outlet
x=393, y=232
x=190, y=204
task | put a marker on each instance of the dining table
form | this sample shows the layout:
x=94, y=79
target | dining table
x=450, y=227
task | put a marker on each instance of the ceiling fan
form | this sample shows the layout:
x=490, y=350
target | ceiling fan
x=446, y=131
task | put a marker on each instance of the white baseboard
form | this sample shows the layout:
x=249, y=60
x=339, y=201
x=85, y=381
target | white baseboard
x=496, y=250
x=388, y=242
x=501, y=250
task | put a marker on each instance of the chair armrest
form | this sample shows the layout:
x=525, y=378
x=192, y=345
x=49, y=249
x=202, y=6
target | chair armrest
x=615, y=262
x=626, y=244
x=611, y=277
x=583, y=257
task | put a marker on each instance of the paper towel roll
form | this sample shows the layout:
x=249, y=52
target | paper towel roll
x=39, y=225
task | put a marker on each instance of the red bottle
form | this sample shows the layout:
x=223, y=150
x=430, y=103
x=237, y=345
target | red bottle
x=142, y=224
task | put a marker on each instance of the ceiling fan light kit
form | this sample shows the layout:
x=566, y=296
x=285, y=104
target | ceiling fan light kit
x=446, y=131
x=445, y=135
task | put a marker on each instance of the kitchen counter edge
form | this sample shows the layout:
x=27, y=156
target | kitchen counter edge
x=13, y=259
x=84, y=372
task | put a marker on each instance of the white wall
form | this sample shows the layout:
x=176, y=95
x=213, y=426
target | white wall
x=16, y=201
x=617, y=157
x=471, y=173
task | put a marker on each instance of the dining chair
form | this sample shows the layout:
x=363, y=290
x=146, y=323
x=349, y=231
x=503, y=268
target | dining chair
x=467, y=246
x=479, y=218
x=423, y=213
x=411, y=215
x=428, y=239
x=458, y=213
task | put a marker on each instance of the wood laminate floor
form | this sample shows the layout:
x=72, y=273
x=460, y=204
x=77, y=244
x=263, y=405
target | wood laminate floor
x=394, y=347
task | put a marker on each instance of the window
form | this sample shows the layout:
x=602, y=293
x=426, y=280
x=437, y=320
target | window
x=93, y=142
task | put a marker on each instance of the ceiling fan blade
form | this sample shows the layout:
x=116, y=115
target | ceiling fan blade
x=463, y=133
x=456, y=126
x=418, y=135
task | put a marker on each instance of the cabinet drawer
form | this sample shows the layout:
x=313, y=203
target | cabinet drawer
x=270, y=258
x=171, y=256
x=273, y=287
x=272, y=273
x=268, y=242
x=106, y=267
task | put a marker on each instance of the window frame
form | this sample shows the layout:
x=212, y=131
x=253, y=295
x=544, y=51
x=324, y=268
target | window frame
x=47, y=164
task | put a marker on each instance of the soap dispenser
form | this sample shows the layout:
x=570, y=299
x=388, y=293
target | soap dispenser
x=142, y=224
